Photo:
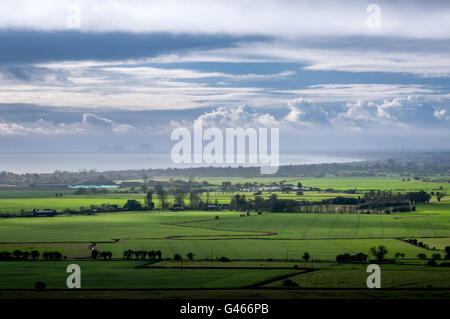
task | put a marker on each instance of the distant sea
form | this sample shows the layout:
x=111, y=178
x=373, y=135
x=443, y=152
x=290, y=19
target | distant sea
x=47, y=163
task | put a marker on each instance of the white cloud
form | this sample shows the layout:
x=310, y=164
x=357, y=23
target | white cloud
x=241, y=116
x=396, y=113
x=267, y=17
x=382, y=56
x=90, y=124
x=360, y=91
x=303, y=111
x=440, y=114
x=129, y=85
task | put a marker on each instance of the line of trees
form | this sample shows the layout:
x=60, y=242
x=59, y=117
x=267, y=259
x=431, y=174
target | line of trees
x=142, y=255
x=30, y=255
x=348, y=258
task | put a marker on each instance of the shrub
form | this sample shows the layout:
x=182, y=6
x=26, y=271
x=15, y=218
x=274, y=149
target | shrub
x=39, y=285
x=177, y=257
x=289, y=283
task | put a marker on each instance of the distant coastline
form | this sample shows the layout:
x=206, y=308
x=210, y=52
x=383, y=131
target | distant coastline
x=74, y=162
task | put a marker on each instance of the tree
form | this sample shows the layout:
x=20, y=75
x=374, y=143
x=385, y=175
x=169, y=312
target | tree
x=379, y=252
x=447, y=252
x=179, y=195
x=137, y=253
x=399, y=255
x=419, y=197
x=128, y=254
x=106, y=254
x=162, y=196
x=194, y=199
x=177, y=257
x=238, y=202
x=422, y=256
x=94, y=253
x=159, y=254
x=299, y=185
x=132, y=204
x=149, y=200
x=151, y=255
x=17, y=253
x=190, y=255
x=306, y=256
x=39, y=285
x=436, y=256
x=57, y=255
x=143, y=254
x=258, y=202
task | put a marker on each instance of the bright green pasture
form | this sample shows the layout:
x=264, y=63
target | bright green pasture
x=59, y=204
x=15, y=202
x=121, y=274
x=344, y=183
x=438, y=243
x=105, y=227
x=264, y=249
x=430, y=220
x=23, y=193
x=355, y=276
x=377, y=183
x=322, y=235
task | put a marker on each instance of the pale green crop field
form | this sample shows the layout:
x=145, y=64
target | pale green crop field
x=354, y=276
x=113, y=274
x=104, y=227
x=439, y=243
x=339, y=183
x=48, y=200
x=244, y=249
x=430, y=220
x=277, y=236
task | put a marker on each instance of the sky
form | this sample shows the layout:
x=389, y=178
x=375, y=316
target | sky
x=80, y=76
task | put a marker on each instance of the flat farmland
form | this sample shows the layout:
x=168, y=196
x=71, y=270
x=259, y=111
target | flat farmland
x=430, y=220
x=276, y=236
x=120, y=274
x=394, y=183
x=354, y=276
x=47, y=200
x=269, y=239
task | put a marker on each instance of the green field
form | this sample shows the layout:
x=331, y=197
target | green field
x=13, y=201
x=394, y=183
x=115, y=275
x=47, y=200
x=260, y=242
x=354, y=276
